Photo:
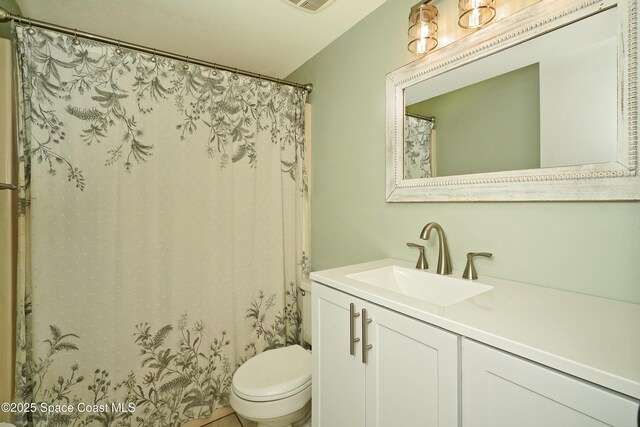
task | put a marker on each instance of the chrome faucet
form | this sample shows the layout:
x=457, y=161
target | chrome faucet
x=444, y=263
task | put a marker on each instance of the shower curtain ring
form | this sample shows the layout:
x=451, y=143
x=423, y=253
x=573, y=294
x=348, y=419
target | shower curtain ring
x=153, y=57
x=186, y=63
x=235, y=74
x=118, y=49
x=75, y=37
x=31, y=30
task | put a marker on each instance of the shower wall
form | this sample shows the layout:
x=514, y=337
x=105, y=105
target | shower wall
x=12, y=7
x=7, y=215
x=7, y=229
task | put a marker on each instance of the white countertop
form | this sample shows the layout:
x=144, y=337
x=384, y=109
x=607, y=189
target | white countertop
x=596, y=339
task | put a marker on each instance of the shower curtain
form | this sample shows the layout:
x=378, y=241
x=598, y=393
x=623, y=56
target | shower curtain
x=418, y=135
x=162, y=231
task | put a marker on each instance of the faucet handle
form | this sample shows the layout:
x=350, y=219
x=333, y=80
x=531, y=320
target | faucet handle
x=422, y=260
x=470, y=270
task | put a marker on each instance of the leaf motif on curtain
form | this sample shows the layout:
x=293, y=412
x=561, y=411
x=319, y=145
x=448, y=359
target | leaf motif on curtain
x=179, y=383
x=227, y=105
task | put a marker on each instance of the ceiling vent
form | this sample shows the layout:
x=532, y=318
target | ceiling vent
x=310, y=5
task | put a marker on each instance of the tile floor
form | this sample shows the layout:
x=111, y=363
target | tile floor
x=229, y=421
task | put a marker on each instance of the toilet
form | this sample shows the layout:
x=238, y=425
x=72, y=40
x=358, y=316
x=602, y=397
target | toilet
x=273, y=388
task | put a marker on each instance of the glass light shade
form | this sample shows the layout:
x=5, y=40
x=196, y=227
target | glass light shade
x=476, y=13
x=423, y=28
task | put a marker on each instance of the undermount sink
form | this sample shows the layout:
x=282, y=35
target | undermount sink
x=434, y=288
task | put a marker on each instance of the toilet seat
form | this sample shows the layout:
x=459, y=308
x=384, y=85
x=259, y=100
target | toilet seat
x=274, y=375
x=271, y=409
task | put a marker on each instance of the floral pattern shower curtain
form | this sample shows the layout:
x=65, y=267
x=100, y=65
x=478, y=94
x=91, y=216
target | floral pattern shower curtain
x=162, y=231
x=417, y=147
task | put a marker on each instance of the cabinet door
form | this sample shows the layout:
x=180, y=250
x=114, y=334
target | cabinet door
x=412, y=372
x=338, y=377
x=503, y=390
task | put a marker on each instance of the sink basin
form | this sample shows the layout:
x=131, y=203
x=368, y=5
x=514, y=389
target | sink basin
x=434, y=288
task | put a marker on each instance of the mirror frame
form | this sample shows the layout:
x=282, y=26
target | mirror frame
x=603, y=181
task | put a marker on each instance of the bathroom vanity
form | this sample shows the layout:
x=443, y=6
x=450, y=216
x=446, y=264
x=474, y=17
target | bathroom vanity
x=509, y=354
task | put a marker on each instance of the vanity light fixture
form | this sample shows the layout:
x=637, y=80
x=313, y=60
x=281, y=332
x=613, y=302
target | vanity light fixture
x=476, y=13
x=423, y=27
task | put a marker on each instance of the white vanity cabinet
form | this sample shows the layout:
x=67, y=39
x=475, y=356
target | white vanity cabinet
x=338, y=396
x=515, y=355
x=503, y=390
x=408, y=378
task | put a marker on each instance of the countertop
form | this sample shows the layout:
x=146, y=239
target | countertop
x=592, y=338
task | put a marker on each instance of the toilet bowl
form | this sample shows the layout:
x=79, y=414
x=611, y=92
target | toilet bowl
x=273, y=389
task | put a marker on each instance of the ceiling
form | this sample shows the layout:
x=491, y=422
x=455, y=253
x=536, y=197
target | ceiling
x=268, y=37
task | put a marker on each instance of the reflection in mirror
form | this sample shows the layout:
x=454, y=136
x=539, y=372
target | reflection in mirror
x=418, y=143
x=489, y=126
x=546, y=103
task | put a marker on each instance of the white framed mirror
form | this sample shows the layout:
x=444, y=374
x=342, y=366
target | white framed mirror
x=541, y=105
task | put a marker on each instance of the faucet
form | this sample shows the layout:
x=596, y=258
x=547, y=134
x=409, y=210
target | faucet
x=444, y=263
x=422, y=260
x=470, y=270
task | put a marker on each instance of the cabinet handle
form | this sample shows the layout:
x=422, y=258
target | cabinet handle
x=365, y=336
x=352, y=329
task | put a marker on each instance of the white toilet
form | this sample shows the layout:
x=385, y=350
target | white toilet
x=273, y=388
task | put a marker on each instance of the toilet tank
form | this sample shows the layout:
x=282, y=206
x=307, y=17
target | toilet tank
x=305, y=291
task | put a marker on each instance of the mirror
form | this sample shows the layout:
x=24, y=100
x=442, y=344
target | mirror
x=511, y=120
x=535, y=107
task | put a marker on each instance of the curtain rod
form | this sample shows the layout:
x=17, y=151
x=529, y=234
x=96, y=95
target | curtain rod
x=5, y=16
x=418, y=116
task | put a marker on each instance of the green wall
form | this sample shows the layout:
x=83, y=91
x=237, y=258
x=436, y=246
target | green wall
x=489, y=126
x=11, y=7
x=591, y=248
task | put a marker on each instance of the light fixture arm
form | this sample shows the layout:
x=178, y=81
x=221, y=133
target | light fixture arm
x=420, y=3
